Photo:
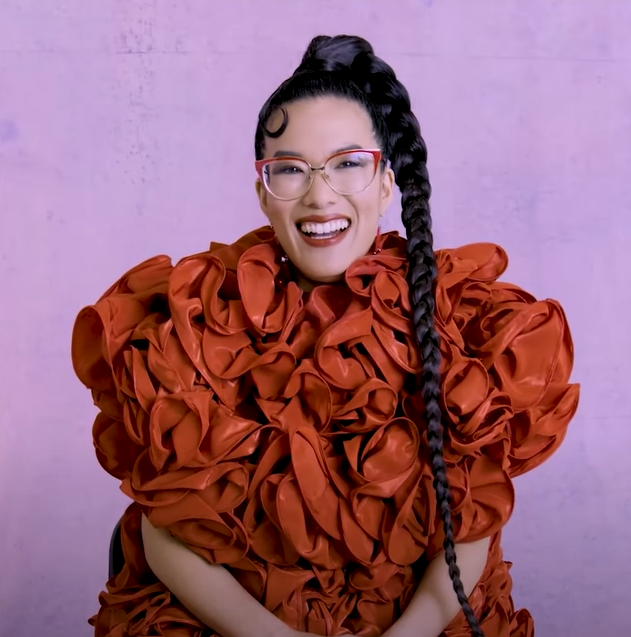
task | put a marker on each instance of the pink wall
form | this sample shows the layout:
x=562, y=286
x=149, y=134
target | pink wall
x=126, y=130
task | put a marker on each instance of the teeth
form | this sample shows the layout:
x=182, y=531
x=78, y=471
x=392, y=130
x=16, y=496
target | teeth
x=336, y=225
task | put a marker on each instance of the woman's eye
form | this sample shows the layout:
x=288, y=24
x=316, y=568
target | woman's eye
x=349, y=164
x=286, y=170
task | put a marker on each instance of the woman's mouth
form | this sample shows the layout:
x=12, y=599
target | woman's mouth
x=323, y=233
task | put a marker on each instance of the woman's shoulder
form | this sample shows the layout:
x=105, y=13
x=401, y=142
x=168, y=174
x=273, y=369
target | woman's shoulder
x=141, y=302
x=507, y=358
x=481, y=261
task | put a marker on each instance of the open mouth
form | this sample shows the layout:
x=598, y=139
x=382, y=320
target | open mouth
x=324, y=230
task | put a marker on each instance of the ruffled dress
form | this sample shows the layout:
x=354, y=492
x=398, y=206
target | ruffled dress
x=281, y=433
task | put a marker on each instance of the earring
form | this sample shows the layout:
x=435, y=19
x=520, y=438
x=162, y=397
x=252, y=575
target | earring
x=283, y=257
x=377, y=249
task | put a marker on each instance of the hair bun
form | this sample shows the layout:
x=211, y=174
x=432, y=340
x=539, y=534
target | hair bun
x=337, y=53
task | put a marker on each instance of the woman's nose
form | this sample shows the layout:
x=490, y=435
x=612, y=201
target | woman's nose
x=320, y=194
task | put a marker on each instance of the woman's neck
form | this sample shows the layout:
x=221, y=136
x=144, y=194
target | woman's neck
x=307, y=285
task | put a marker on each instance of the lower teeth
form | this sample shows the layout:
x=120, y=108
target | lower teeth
x=326, y=235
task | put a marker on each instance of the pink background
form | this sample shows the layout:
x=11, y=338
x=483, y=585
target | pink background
x=126, y=130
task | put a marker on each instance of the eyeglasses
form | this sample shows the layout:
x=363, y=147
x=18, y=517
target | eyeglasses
x=347, y=173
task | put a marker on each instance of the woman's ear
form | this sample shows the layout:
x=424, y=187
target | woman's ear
x=387, y=189
x=261, y=193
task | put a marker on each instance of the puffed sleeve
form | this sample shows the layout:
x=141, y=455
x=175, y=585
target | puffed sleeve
x=506, y=393
x=113, y=355
x=167, y=357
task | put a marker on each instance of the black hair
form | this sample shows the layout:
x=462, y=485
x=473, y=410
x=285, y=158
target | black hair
x=346, y=66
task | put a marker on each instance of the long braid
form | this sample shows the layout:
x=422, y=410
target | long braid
x=408, y=158
x=422, y=277
x=346, y=66
x=407, y=152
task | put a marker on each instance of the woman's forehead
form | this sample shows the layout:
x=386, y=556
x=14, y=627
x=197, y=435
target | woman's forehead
x=319, y=127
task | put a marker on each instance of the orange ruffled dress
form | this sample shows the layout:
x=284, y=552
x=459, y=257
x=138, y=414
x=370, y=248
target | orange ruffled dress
x=278, y=432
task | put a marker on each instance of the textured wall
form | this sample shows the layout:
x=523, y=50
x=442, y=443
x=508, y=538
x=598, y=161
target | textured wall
x=126, y=130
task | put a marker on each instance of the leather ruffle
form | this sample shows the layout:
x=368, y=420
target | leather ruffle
x=279, y=433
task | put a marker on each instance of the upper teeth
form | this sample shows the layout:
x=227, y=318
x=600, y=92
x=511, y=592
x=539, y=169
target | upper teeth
x=324, y=228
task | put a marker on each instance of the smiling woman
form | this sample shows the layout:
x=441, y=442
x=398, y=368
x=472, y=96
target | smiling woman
x=319, y=424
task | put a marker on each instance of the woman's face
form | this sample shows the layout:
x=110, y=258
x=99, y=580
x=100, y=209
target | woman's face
x=316, y=129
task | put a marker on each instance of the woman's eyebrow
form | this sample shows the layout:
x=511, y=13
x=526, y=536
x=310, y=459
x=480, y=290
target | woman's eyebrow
x=291, y=153
x=286, y=153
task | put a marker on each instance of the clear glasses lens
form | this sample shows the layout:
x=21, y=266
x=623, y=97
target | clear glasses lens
x=348, y=173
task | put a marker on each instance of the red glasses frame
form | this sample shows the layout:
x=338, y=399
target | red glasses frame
x=261, y=164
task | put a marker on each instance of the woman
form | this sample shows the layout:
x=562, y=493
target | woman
x=315, y=421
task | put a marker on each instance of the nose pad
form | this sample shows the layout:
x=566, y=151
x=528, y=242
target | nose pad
x=320, y=189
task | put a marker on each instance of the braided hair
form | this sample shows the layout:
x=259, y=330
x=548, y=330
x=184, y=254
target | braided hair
x=346, y=66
